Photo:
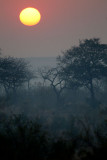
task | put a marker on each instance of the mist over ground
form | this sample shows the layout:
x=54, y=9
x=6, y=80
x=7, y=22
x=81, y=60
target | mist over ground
x=55, y=107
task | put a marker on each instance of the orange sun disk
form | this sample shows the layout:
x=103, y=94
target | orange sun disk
x=30, y=16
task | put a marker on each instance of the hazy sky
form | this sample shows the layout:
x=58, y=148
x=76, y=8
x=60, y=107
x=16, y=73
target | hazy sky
x=63, y=24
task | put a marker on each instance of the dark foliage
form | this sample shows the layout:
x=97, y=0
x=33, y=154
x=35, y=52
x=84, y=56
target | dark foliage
x=14, y=72
x=58, y=122
x=21, y=138
x=81, y=66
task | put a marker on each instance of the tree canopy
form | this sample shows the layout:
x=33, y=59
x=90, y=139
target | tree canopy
x=13, y=72
x=82, y=65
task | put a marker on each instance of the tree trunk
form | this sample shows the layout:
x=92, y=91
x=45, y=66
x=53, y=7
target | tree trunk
x=57, y=93
x=92, y=93
x=28, y=84
x=6, y=90
x=14, y=91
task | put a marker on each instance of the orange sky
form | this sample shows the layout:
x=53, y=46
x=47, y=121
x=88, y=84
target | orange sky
x=63, y=24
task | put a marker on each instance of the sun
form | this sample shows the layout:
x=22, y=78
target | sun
x=30, y=16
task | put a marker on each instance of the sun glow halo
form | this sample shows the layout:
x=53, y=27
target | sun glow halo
x=30, y=16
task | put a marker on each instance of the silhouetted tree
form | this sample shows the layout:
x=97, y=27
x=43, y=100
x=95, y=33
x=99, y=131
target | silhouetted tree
x=52, y=75
x=84, y=64
x=13, y=73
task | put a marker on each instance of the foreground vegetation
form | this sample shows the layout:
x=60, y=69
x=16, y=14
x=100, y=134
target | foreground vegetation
x=34, y=126
x=61, y=115
x=21, y=138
